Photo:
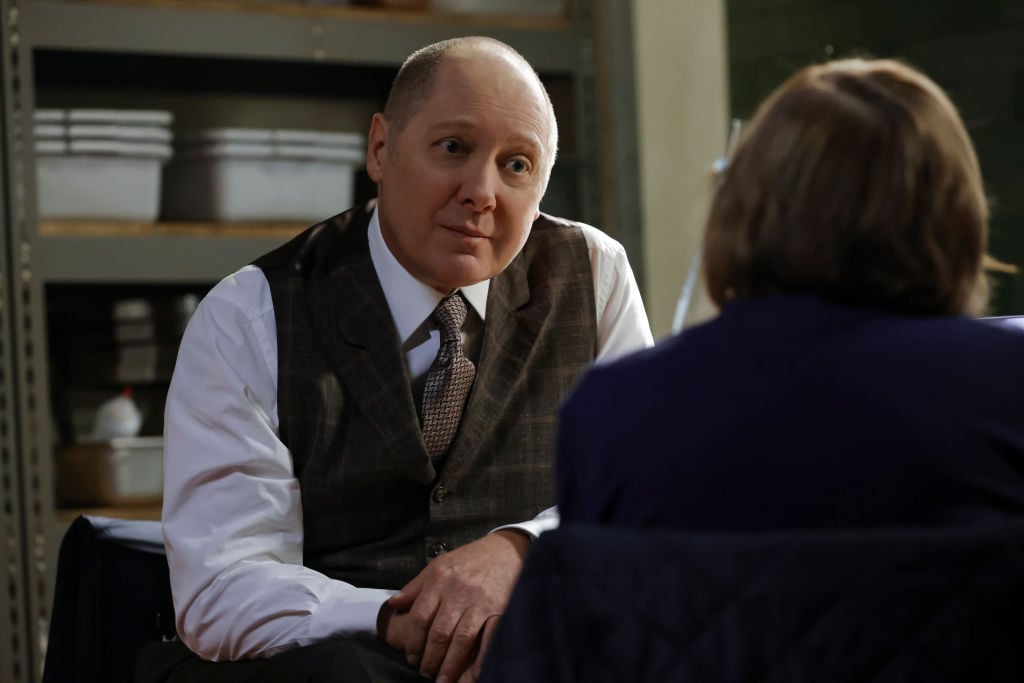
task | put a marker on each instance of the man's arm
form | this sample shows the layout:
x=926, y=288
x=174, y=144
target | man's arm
x=232, y=515
x=445, y=617
x=622, y=324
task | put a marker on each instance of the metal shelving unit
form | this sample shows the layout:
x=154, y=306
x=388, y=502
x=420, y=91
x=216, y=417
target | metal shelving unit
x=27, y=489
x=14, y=621
x=184, y=253
x=282, y=31
x=592, y=47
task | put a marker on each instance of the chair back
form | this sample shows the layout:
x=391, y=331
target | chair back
x=112, y=594
x=598, y=605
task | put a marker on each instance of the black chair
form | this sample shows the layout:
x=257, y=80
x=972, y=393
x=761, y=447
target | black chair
x=112, y=594
x=886, y=606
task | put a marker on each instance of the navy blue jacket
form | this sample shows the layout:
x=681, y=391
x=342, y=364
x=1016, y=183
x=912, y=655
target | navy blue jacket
x=792, y=413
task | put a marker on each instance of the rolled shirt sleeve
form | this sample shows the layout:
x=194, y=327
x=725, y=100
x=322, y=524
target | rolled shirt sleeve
x=232, y=516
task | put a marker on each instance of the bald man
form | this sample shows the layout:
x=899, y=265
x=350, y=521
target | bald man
x=360, y=428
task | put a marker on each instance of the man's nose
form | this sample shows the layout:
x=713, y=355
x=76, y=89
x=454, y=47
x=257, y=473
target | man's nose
x=478, y=189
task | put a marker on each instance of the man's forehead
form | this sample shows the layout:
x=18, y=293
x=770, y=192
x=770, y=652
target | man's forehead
x=483, y=74
x=461, y=80
x=488, y=64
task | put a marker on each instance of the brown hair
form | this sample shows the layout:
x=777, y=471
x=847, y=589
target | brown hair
x=855, y=181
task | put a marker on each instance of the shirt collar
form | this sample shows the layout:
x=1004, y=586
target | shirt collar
x=409, y=300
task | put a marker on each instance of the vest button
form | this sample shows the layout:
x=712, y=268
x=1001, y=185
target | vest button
x=438, y=548
x=439, y=494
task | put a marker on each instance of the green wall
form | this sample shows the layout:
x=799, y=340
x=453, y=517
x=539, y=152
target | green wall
x=972, y=48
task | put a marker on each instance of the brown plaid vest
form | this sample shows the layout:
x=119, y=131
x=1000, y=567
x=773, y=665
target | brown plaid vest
x=375, y=509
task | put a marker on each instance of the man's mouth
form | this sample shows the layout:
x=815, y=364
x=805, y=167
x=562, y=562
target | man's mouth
x=467, y=230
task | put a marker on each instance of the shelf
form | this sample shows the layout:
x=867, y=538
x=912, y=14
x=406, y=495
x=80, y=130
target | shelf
x=238, y=62
x=281, y=31
x=116, y=252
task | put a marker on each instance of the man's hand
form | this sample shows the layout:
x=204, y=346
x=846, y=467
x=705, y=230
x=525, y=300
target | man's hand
x=445, y=617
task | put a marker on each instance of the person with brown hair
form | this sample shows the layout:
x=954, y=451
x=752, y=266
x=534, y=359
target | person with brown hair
x=858, y=183
x=844, y=383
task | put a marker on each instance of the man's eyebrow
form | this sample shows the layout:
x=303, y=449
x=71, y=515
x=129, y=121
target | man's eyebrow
x=460, y=124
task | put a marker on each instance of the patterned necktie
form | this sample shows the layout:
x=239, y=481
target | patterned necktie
x=448, y=380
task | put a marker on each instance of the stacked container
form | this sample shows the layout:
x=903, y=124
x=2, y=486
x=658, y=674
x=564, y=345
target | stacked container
x=100, y=163
x=247, y=174
x=549, y=8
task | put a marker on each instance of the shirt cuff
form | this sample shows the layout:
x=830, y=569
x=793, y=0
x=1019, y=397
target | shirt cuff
x=350, y=613
x=547, y=520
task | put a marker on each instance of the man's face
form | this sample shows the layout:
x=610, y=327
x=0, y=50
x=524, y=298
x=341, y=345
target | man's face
x=461, y=184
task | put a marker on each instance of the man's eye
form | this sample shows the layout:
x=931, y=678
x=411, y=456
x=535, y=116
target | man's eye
x=451, y=146
x=518, y=166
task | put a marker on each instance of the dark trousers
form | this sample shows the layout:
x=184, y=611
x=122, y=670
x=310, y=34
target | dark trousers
x=340, y=660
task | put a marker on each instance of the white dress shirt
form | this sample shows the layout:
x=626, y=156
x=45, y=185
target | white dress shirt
x=232, y=514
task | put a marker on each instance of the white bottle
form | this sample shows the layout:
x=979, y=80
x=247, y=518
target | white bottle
x=118, y=417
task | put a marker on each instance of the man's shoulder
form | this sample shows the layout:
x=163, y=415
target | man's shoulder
x=554, y=244
x=548, y=226
x=320, y=245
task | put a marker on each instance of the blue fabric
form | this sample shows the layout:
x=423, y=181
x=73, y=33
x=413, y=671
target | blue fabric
x=596, y=605
x=112, y=594
x=792, y=413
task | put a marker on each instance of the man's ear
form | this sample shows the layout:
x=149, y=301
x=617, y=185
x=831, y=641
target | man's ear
x=377, y=147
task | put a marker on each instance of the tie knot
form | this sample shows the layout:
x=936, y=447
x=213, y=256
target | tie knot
x=450, y=314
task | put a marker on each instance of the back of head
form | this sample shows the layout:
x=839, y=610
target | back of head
x=857, y=182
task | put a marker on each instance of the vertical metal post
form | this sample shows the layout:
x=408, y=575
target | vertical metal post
x=24, y=405
x=15, y=654
x=585, y=105
x=606, y=117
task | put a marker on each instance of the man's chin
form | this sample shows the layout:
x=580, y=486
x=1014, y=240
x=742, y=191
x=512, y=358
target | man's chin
x=463, y=274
